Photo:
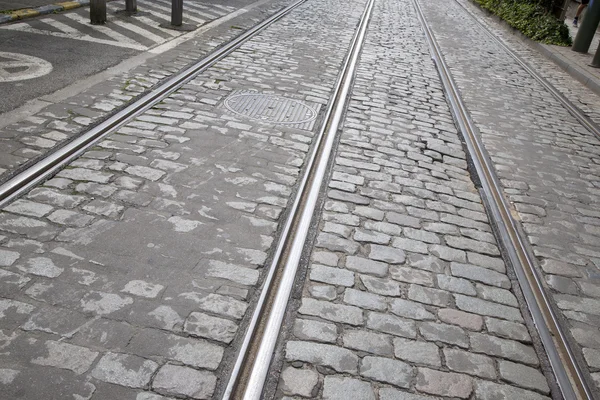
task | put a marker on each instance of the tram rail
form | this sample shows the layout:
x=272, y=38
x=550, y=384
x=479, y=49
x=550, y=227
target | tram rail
x=566, y=369
x=53, y=162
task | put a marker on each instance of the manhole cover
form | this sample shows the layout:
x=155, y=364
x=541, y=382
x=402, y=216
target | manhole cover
x=272, y=108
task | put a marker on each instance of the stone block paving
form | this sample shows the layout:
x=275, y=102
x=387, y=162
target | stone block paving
x=129, y=274
x=27, y=140
x=406, y=296
x=578, y=94
x=548, y=163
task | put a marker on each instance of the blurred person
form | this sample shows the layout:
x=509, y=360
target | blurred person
x=582, y=6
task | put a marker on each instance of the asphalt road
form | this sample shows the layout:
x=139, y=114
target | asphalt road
x=71, y=60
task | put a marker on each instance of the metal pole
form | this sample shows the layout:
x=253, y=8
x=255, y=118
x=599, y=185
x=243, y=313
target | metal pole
x=176, y=12
x=97, y=12
x=131, y=6
x=596, y=61
x=588, y=28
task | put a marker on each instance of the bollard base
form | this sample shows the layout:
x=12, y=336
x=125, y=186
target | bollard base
x=127, y=13
x=182, y=27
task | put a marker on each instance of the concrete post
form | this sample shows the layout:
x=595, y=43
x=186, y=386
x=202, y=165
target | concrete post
x=177, y=12
x=131, y=6
x=587, y=29
x=98, y=12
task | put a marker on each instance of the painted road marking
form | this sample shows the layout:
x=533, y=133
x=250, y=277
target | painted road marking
x=19, y=67
x=139, y=32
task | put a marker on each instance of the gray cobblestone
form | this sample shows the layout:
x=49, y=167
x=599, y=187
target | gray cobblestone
x=444, y=333
x=300, y=382
x=410, y=275
x=410, y=309
x=343, y=388
x=177, y=380
x=487, y=390
x=125, y=370
x=370, y=342
x=307, y=329
x=429, y=296
x=333, y=276
x=486, y=308
x=444, y=383
x=366, y=266
x=390, y=324
x=340, y=359
x=480, y=274
x=469, y=321
x=468, y=363
x=364, y=300
x=524, y=376
x=457, y=285
x=417, y=352
x=333, y=312
x=386, y=370
x=494, y=346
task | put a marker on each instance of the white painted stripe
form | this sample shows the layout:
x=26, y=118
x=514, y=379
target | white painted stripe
x=62, y=27
x=155, y=25
x=186, y=13
x=105, y=30
x=224, y=8
x=201, y=10
x=140, y=31
x=23, y=27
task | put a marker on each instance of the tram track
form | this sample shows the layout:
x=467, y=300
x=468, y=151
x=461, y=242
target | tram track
x=575, y=111
x=54, y=161
x=563, y=362
x=250, y=371
x=251, y=367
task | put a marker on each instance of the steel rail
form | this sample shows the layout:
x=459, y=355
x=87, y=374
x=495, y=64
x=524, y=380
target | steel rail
x=61, y=157
x=575, y=111
x=263, y=331
x=562, y=360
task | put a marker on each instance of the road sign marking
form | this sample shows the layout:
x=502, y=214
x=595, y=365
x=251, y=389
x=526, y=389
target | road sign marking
x=19, y=67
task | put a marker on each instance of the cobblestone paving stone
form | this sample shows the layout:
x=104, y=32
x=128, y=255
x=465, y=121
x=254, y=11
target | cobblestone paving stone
x=578, y=94
x=127, y=275
x=548, y=164
x=406, y=295
x=25, y=141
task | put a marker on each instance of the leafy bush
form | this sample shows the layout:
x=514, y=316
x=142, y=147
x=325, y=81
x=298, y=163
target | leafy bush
x=531, y=18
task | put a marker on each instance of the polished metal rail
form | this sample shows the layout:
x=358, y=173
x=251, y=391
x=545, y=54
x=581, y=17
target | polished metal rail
x=566, y=103
x=252, y=365
x=562, y=360
x=48, y=166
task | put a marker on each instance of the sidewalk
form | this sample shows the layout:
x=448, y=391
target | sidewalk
x=576, y=64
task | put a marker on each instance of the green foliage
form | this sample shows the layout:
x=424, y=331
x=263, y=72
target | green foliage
x=531, y=18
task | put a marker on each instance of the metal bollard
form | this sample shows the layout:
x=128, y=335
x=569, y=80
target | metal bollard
x=596, y=61
x=98, y=12
x=586, y=32
x=131, y=6
x=176, y=12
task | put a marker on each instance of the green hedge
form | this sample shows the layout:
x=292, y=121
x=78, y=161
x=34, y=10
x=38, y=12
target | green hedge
x=531, y=18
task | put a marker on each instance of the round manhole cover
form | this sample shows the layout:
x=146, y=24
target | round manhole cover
x=270, y=108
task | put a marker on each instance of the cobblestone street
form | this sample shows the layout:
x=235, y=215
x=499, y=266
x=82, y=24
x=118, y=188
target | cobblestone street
x=134, y=272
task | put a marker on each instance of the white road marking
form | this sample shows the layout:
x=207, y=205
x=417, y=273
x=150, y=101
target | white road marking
x=23, y=27
x=105, y=30
x=186, y=13
x=34, y=67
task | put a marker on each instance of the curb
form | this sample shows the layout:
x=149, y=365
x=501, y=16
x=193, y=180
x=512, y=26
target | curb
x=49, y=9
x=584, y=77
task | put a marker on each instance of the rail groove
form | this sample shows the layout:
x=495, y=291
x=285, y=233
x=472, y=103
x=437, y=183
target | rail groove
x=250, y=371
x=46, y=167
x=562, y=360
